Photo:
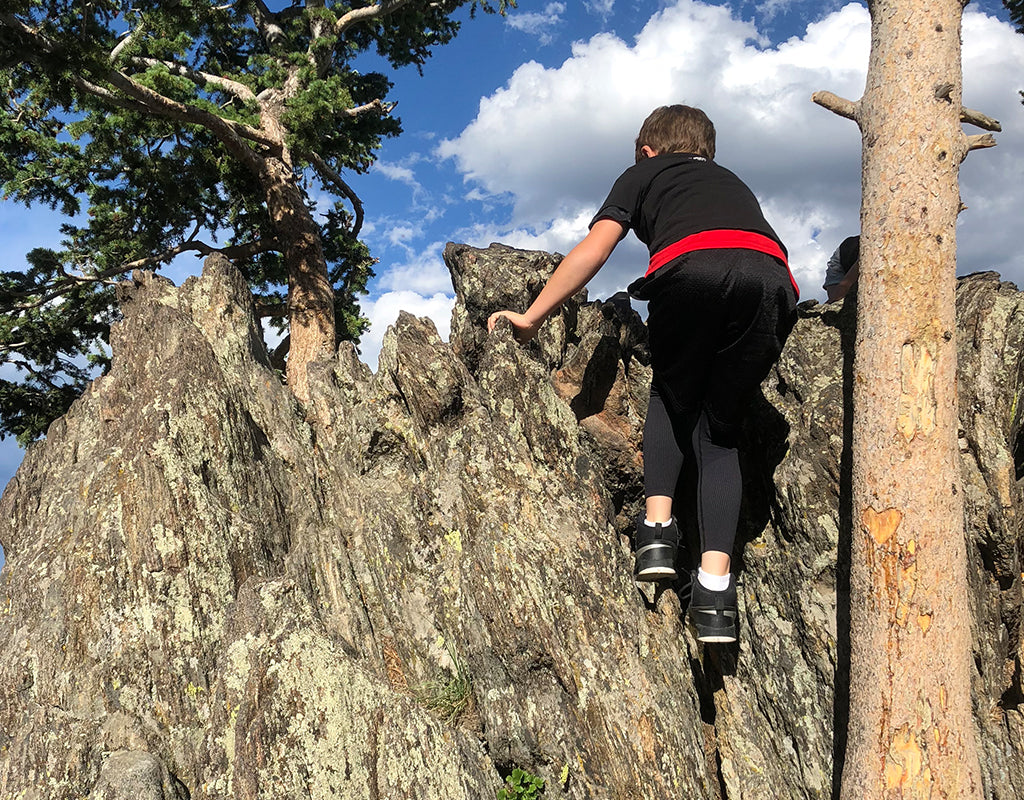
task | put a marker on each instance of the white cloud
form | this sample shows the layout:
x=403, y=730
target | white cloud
x=397, y=172
x=769, y=8
x=552, y=145
x=401, y=235
x=603, y=8
x=540, y=23
x=425, y=273
x=383, y=312
x=990, y=180
x=426, y=206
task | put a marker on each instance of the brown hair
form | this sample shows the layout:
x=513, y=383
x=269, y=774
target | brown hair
x=677, y=129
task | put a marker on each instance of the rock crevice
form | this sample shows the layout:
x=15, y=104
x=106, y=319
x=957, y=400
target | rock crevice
x=421, y=580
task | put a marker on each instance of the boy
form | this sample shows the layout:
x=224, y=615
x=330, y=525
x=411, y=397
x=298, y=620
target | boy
x=721, y=304
x=843, y=269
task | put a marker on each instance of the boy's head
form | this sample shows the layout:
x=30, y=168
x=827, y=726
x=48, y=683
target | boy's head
x=677, y=129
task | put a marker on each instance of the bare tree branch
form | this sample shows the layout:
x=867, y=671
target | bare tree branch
x=338, y=182
x=61, y=288
x=163, y=106
x=846, y=108
x=109, y=97
x=267, y=23
x=121, y=45
x=277, y=358
x=382, y=9
x=69, y=282
x=979, y=120
x=836, y=104
x=980, y=141
x=15, y=24
x=239, y=90
x=233, y=252
x=11, y=346
x=318, y=28
x=27, y=366
x=373, y=105
x=264, y=310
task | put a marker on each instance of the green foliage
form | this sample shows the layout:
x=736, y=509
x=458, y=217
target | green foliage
x=186, y=126
x=55, y=344
x=521, y=785
x=450, y=695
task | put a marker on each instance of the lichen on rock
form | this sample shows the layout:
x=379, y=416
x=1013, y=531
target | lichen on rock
x=212, y=592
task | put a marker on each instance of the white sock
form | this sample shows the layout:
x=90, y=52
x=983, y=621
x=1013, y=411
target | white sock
x=650, y=524
x=715, y=583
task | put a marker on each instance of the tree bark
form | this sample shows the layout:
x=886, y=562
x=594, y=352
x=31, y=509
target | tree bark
x=311, y=322
x=912, y=734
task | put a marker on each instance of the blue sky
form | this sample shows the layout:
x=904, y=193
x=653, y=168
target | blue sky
x=516, y=130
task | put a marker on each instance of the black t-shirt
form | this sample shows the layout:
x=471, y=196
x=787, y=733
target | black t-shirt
x=671, y=196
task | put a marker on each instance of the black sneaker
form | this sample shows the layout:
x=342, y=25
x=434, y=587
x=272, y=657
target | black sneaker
x=655, y=550
x=713, y=613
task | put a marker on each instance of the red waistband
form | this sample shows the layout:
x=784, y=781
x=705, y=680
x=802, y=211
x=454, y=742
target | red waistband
x=722, y=240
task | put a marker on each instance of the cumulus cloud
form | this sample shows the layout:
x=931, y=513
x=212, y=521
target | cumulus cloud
x=538, y=23
x=551, y=145
x=425, y=273
x=993, y=55
x=383, y=312
x=544, y=148
x=421, y=286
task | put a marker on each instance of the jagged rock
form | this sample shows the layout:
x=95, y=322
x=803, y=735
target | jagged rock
x=422, y=579
x=134, y=775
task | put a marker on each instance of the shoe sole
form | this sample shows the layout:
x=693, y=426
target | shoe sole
x=722, y=631
x=655, y=562
x=717, y=639
x=656, y=574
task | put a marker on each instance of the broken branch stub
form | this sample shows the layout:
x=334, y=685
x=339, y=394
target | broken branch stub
x=836, y=104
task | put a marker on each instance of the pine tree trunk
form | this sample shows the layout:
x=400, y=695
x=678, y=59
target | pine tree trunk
x=911, y=732
x=310, y=295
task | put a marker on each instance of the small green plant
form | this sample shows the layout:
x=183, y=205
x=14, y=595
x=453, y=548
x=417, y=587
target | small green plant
x=521, y=785
x=447, y=697
x=450, y=695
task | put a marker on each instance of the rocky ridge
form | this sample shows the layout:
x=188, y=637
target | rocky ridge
x=423, y=580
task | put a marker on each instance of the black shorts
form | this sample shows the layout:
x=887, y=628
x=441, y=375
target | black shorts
x=718, y=320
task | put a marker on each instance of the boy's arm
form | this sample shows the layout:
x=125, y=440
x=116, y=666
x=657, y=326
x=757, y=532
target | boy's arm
x=839, y=290
x=576, y=269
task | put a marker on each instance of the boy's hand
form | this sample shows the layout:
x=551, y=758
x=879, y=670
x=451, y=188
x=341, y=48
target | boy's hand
x=571, y=275
x=525, y=329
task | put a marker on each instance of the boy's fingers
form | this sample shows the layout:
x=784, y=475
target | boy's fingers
x=493, y=320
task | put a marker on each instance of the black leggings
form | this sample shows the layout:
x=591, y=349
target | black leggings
x=667, y=437
x=718, y=320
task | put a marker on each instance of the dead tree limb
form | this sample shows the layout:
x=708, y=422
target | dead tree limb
x=980, y=120
x=980, y=141
x=836, y=104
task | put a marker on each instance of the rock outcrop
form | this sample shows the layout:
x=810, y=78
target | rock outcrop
x=422, y=580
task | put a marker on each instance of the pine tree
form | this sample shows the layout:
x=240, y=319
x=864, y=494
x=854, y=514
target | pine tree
x=1016, y=9
x=912, y=734
x=191, y=125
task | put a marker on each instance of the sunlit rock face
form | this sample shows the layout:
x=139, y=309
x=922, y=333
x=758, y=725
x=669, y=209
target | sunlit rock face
x=423, y=579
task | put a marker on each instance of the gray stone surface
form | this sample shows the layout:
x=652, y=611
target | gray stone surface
x=423, y=580
x=135, y=775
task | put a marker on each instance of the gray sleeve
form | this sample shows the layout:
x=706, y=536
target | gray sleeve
x=834, y=271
